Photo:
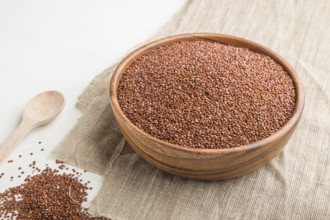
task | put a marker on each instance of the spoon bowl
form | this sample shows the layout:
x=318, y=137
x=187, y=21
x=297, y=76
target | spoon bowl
x=44, y=107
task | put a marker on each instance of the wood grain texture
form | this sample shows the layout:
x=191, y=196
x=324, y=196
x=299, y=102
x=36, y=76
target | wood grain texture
x=205, y=164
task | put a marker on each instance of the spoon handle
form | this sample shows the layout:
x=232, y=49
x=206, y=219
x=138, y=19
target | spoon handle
x=18, y=134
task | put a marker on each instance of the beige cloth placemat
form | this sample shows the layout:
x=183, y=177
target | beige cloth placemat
x=295, y=185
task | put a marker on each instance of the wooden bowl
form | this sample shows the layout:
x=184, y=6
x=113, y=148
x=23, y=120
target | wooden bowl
x=205, y=164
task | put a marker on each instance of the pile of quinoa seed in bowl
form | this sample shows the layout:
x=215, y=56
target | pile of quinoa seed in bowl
x=206, y=95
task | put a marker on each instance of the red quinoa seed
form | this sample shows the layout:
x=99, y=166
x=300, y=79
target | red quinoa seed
x=203, y=94
x=47, y=195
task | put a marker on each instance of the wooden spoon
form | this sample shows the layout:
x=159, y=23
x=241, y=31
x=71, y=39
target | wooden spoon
x=40, y=110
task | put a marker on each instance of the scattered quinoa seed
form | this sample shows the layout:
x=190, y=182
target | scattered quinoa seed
x=48, y=194
x=58, y=161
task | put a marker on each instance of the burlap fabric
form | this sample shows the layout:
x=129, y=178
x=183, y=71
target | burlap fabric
x=295, y=185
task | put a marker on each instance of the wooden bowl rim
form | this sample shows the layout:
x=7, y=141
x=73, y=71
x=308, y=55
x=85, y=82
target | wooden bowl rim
x=222, y=38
